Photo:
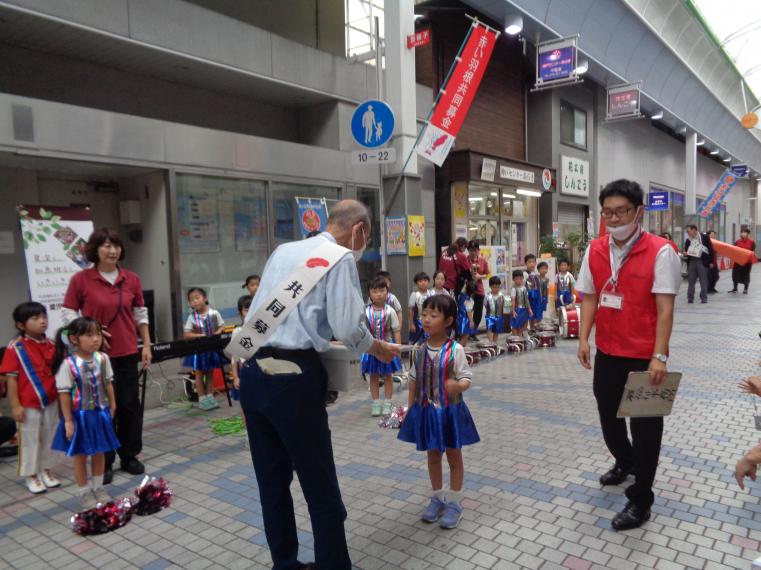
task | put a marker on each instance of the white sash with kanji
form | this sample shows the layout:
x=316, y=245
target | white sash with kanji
x=286, y=296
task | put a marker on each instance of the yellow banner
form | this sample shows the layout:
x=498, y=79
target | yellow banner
x=416, y=235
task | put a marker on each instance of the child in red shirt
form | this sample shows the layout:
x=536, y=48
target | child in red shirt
x=33, y=396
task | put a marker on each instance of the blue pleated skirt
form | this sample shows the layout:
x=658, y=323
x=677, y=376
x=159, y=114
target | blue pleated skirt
x=371, y=365
x=564, y=298
x=93, y=433
x=419, y=336
x=439, y=428
x=520, y=319
x=463, y=326
x=495, y=324
x=204, y=361
x=535, y=300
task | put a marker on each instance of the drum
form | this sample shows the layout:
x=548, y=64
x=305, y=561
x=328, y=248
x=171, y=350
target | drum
x=516, y=344
x=570, y=320
x=473, y=354
x=488, y=349
x=546, y=339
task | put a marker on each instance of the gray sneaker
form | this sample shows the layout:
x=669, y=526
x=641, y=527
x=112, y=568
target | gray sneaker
x=101, y=495
x=87, y=501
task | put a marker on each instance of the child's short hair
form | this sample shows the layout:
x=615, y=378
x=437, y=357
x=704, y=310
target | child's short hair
x=443, y=304
x=518, y=273
x=437, y=273
x=25, y=311
x=78, y=327
x=528, y=257
x=494, y=280
x=383, y=273
x=377, y=283
x=253, y=277
x=200, y=290
x=542, y=264
x=421, y=276
x=244, y=302
x=562, y=261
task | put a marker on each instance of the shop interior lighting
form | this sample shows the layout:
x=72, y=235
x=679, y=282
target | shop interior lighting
x=657, y=116
x=510, y=196
x=582, y=67
x=493, y=194
x=532, y=193
x=476, y=199
x=714, y=152
x=514, y=24
x=418, y=16
x=701, y=142
x=682, y=131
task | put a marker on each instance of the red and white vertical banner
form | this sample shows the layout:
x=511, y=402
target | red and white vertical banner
x=457, y=95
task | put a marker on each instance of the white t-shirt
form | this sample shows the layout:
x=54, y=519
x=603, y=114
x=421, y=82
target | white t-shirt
x=211, y=314
x=461, y=368
x=416, y=301
x=668, y=270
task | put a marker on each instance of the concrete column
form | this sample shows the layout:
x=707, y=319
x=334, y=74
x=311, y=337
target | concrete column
x=402, y=196
x=757, y=211
x=690, y=176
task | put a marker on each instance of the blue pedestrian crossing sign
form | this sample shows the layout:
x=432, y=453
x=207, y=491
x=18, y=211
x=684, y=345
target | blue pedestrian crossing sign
x=372, y=123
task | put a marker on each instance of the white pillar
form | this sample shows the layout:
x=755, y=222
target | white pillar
x=400, y=81
x=690, y=175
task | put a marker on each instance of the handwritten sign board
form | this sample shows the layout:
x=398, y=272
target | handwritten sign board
x=642, y=399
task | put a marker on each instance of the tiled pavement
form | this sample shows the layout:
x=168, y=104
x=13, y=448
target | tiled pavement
x=533, y=500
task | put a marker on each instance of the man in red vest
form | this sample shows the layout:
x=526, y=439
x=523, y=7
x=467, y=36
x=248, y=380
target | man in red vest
x=630, y=279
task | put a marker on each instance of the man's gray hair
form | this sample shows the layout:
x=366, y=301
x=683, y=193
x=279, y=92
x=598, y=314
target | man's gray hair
x=347, y=213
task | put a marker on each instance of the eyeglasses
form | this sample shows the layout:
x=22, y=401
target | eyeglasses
x=621, y=212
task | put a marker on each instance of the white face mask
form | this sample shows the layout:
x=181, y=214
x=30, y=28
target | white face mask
x=357, y=253
x=623, y=232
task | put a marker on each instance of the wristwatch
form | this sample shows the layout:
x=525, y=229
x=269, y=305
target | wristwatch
x=662, y=357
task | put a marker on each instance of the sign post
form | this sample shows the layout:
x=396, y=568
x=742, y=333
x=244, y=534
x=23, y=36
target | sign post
x=556, y=63
x=623, y=102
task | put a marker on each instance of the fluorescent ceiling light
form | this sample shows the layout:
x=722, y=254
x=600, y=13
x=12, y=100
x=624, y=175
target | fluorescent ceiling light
x=582, y=67
x=418, y=16
x=701, y=142
x=682, y=131
x=714, y=152
x=658, y=115
x=476, y=199
x=533, y=193
x=514, y=24
x=492, y=194
x=510, y=196
x=728, y=159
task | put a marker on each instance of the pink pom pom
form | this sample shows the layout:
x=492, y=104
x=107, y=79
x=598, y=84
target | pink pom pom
x=103, y=518
x=153, y=495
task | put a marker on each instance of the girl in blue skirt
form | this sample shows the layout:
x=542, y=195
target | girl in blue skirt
x=464, y=324
x=437, y=420
x=83, y=379
x=203, y=321
x=384, y=325
x=522, y=312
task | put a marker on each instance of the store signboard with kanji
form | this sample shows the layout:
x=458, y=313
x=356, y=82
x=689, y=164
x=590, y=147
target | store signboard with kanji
x=457, y=95
x=419, y=38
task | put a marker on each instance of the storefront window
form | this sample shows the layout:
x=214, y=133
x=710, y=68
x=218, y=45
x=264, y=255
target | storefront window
x=677, y=201
x=483, y=207
x=222, y=236
x=285, y=211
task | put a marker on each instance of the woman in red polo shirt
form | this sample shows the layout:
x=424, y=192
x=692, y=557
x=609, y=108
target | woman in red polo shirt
x=114, y=296
x=454, y=264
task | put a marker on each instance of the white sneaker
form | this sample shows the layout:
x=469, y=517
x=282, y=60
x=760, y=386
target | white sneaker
x=34, y=485
x=49, y=479
x=101, y=495
x=87, y=501
x=212, y=403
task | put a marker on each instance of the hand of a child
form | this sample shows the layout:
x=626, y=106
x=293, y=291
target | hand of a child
x=69, y=425
x=751, y=385
x=236, y=382
x=412, y=328
x=18, y=414
x=453, y=387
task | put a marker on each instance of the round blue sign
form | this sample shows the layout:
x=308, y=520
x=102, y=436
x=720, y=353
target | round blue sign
x=372, y=123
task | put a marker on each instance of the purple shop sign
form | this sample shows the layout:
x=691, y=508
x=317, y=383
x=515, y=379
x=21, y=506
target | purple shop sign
x=556, y=63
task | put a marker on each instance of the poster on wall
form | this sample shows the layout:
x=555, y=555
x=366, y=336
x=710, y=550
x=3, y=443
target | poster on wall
x=313, y=215
x=461, y=231
x=416, y=233
x=250, y=220
x=54, y=241
x=460, y=201
x=198, y=222
x=575, y=173
x=396, y=236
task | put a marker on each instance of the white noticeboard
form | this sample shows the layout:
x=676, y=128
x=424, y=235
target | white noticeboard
x=54, y=240
x=386, y=155
x=575, y=176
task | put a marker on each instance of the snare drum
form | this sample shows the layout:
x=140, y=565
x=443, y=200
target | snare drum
x=546, y=339
x=516, y=344
x=474, y=354
x=488, y=349
x=570, y=320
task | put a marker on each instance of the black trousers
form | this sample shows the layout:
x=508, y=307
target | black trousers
x=741, y=275
x=7, y=429
x=288, y=428
x=127, y=421
x=713, y=277
x=644, y=449
x=478, y=308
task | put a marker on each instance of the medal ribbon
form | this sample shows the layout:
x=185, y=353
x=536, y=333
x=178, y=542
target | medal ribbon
x=31, y=373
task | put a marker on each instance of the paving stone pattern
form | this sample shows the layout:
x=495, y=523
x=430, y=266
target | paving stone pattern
x=532, y=496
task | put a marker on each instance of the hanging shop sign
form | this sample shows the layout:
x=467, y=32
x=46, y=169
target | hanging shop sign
x=457, y=95
x=54, y=241
x=556, y=62
x=419, y=38
x=396, y=236
x=313, y=215
x=623, y=102
x=657, y=200
x=575, y=176
x=740, y=170
x=512, y=173
x=546, y=179
x=722, y=188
